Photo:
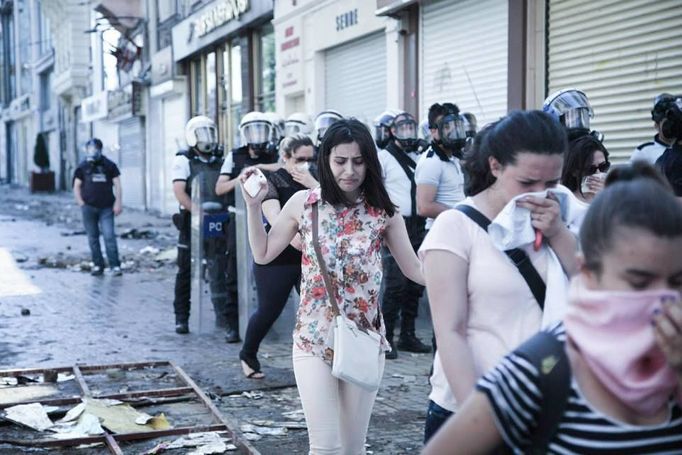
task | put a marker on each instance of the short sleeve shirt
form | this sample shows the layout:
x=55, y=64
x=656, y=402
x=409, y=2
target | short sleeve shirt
x=502, y=311
x=97, y=182
x=445, y=174
x=515, y=395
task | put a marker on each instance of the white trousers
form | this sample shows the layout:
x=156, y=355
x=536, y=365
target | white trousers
x=337, y=413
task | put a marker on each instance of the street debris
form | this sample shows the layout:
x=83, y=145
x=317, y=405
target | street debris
x=204, y=444
x=171, y=254
x=25, y=312
x=119, y=417
x=255, y=395
x=18, y=394
x=297, y=415
x=32, y=415
x=135, y=233
x=288, y=425
x=73, y=233
x=150, y=250
x=263, y=430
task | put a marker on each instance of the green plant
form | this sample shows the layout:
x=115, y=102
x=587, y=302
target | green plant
x=41, y=156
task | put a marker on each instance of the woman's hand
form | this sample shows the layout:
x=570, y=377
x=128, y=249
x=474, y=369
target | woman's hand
x=594, y=183
x=668, y=331
x=545, y=214
x=258, y=198
x=304, y=177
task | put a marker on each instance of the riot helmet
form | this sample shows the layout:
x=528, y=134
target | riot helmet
x=324, y=120
x=298, y=122
x=662, y=103
x=93, y=149
x=382, y=128
x=202, y=135
x=572, y=108
x=256, y=131
x=404, y=131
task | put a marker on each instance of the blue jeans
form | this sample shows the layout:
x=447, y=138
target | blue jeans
x=435, y=418
x=98, y=220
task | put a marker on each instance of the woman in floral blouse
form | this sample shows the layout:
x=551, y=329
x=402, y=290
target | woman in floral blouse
x=356, y=217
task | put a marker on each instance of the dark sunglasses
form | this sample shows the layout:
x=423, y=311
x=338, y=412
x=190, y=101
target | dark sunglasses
x=601, y=167
x=304, y=160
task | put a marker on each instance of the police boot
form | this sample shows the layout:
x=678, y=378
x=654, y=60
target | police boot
x=408, y=341
x=232, y=333
x=389, y=336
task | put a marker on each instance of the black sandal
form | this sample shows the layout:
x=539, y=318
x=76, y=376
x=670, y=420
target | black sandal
x=250, y=366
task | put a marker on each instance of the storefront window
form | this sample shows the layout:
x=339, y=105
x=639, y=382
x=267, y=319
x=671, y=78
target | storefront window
x=235, y=92
x=266, y=74
x=211, y=87
x=197, y=88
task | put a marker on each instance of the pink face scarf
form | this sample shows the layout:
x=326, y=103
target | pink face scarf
x=615, y=336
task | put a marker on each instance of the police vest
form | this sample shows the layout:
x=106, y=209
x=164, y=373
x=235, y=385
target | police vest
x=209, y=172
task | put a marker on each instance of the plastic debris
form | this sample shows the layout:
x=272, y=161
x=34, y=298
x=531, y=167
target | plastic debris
x=263, y=431
x=203, y=444
x=253, y=395
x=149, y=250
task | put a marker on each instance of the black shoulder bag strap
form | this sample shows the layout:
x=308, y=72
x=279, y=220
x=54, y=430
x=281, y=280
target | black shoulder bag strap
x=408, y=166
x=546, y=353
x=517, y=255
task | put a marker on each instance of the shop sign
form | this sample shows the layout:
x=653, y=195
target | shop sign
x=220, y=14
x=347, y=19
x=95, y=107
x=290, y=56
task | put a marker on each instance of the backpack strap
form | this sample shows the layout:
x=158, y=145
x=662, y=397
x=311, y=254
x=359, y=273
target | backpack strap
x=518, y=256
x=547, y=354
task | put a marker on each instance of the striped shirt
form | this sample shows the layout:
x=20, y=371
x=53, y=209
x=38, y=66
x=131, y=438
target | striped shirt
x=513, y=390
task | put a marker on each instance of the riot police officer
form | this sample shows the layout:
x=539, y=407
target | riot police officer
x=256, y=132
x=199, y=165
x=401, y=296
x=298, y=122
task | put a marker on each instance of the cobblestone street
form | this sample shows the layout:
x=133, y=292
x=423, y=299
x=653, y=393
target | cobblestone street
x=76, y=318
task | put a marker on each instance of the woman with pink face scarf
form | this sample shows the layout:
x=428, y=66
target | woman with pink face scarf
x=622, y=338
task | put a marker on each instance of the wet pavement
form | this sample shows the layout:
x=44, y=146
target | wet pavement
x=77, y=318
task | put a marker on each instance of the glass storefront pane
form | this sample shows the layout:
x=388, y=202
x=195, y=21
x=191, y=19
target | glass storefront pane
x=266, y=97
x=197, y=89
x=211, y=87
x=235, y=93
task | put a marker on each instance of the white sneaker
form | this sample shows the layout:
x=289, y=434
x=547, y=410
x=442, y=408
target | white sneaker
x=117, y=271
x=96, y=271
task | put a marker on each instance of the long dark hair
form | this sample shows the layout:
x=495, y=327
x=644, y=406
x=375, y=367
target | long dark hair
x=635, y=197
x=578, y=159
x=346, y=131
x=520, y=131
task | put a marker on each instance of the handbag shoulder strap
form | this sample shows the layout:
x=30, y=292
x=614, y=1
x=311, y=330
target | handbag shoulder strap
x=321, y=263
x=518, y=256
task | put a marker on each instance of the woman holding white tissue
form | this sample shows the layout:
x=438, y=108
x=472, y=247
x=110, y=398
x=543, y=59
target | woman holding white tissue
x=485, y=301
x=615, y=381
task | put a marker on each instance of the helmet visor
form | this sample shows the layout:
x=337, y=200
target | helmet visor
x=405, y=129
x=569, y=100
x=323, y=122
x=452, y=128
x=257, y=132
x=578, y=118
x=206, y=134
x=292, y=127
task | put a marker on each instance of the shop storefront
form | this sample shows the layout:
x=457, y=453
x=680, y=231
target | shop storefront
x=622, y=56
x=335, y=55
x=227, y=49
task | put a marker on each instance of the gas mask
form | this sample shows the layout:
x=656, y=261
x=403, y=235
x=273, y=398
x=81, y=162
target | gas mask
x=93, y=153
x=452, y=133
x=207, y=140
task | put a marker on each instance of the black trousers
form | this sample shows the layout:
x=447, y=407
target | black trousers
x=273, y=285
x=216, y=265
x=401, y=295
x=232, y=309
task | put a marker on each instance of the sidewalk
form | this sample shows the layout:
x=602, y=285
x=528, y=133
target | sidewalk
x=78, y=318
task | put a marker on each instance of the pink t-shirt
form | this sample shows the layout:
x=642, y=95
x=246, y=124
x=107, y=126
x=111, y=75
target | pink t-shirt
x=502, y=312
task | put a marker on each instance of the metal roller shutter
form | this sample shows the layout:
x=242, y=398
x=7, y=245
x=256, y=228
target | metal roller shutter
x=622, y=53
x=131, y=141
x=355, y=77
x=464, y=56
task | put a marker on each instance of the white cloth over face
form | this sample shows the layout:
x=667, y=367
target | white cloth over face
x=512, y=228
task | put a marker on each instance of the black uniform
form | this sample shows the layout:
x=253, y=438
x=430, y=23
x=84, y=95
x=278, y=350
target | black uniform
x=238, y=159
x=215, y=248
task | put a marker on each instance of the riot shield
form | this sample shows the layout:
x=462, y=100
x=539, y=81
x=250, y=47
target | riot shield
x=209, y=292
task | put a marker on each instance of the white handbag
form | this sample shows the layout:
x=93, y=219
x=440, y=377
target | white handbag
x=357, y=352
